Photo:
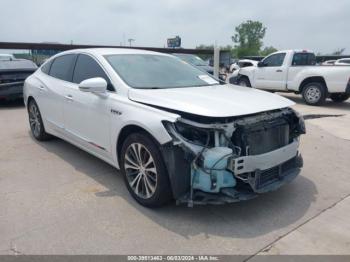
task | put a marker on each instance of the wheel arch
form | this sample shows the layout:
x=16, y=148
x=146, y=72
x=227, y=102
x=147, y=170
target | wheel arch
x=29, y=99
x=312, y=79
x=241, y=76
x=125, y=132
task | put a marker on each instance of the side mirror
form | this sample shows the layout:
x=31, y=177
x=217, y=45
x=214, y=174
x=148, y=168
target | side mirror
x=261, y=64
x=94, y=85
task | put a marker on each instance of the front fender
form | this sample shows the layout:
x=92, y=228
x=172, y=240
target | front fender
x=248, y=72
x=145, y=117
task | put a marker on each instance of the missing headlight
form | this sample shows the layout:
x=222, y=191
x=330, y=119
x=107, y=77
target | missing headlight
x=196, y=135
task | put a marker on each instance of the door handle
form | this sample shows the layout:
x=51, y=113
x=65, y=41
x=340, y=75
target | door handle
x=279, y=71
x=69, y=97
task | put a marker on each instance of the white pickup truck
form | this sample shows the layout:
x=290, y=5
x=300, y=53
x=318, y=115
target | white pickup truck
x=296, y=71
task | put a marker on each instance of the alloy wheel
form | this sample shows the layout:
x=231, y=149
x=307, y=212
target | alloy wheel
x=34, y=119
x=141, y=171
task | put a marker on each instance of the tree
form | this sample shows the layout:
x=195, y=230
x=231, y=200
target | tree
x=205, y=47
x=267, y=50
x=339, y=51
x=248, y=38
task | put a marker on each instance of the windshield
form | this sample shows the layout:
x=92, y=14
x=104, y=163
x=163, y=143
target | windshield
x=192, y=59
x=157, y=71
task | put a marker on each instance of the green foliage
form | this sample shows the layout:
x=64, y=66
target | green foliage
x=268, y=50
x=205, y=47
x=248, y=38
x=248, y=41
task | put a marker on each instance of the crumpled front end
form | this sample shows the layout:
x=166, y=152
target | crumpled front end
x=216, y=161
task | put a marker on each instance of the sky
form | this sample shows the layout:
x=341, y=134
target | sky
x=322, y=26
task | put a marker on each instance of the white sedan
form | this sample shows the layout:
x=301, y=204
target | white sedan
x=172, y=130
x=343, y=62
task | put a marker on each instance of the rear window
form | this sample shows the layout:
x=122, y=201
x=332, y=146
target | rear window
x=304, y=59
x=346, y=61
x=62, y=67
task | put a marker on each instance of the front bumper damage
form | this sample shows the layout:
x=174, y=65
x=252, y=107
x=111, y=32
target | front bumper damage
x=228, y=170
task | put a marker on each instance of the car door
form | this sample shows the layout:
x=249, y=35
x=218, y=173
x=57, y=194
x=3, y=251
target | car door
x=87, y=115
x=56, y=75
x=272, y=75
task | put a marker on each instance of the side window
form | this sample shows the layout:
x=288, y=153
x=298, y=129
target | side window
x=275, y=60
x=46, y=67
x=304, y=59
x=86, y=67
x=62, y=67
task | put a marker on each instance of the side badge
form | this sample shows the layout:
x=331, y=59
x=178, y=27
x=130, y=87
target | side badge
x=116, y=112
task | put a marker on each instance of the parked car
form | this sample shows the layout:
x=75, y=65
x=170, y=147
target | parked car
x=234, y=68
x=173, y=131
x=343, y=61
x=296, y=71
x=242, y=63
x=329, y=62
x=6, y=57
x=196, y=61
x=13, y=72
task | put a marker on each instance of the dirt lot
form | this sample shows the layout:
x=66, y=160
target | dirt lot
x=57, y=199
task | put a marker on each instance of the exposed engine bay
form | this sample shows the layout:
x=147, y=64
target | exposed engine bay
x=224, y=160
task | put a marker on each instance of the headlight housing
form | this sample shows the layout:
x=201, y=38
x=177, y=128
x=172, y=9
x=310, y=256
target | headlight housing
x=192, y=134
x=302, y=128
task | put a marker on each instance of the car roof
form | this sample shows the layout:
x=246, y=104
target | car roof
x=111, y=51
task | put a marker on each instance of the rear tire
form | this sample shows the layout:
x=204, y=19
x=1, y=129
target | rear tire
x=144, y=170
x=314, y=93
x=36, y=122
x=338, y=98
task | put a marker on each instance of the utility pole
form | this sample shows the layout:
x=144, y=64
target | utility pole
x=130, y=40
x=216, y=60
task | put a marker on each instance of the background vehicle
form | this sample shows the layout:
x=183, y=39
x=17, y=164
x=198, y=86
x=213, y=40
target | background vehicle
x=343, y=61
x=329, y=62
x=173, y=130
x=6, y=57
x=242, y=63
x=295, y=71
x=13, y=72
x=234, y=69
x=196, y=61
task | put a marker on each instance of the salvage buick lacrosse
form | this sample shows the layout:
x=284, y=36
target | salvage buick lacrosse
x=173, y=131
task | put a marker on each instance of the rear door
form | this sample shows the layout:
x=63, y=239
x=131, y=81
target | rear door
x=87, y=115
x=272, y=76
x=56, y=76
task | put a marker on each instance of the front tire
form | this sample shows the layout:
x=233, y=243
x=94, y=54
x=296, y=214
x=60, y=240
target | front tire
x=36, y=123
x=314, y=94
x=144, y=171
x=338, y=98
x=244, y=82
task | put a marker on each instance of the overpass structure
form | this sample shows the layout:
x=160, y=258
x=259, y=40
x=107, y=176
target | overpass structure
x=64, y=47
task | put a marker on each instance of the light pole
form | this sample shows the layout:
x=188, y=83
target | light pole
x=130, y=40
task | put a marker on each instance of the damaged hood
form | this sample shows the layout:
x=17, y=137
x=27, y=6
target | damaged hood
x=211, y=101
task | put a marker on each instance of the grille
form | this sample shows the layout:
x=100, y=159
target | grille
x=269, y=176
x=262, y=137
